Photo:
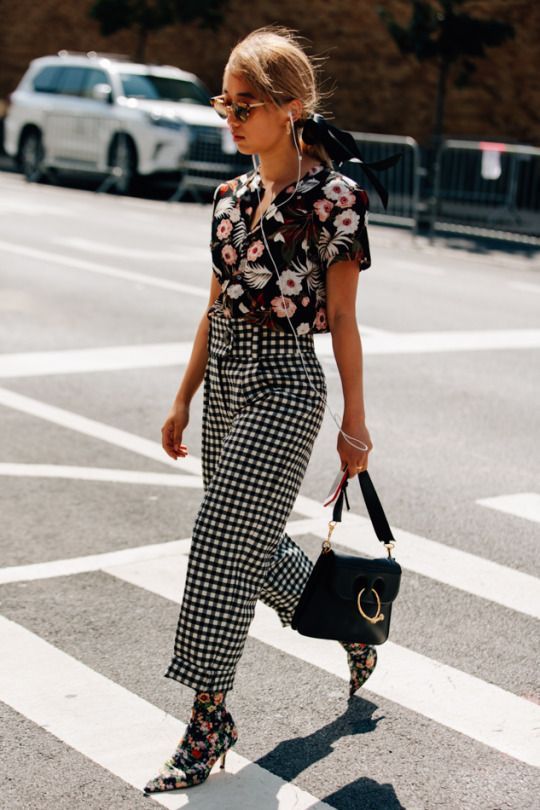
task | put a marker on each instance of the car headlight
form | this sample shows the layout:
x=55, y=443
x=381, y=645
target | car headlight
x=164, y=121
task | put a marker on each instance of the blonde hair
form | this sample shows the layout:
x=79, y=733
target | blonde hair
x=272, y=60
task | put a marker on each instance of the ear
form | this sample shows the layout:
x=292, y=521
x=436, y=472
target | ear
x=295, y=107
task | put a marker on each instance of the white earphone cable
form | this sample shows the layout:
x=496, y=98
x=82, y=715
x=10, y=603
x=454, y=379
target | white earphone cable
x=357, y=443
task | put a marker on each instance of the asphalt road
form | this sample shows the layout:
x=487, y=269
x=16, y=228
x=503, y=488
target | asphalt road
x=99, y=300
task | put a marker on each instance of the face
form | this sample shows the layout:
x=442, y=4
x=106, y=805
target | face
x=265, y=129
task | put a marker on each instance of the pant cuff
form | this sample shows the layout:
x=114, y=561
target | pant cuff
x=209, y=681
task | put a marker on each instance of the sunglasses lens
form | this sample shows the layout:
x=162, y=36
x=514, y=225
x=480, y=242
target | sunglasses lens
x=219, y=106
x=242, y=113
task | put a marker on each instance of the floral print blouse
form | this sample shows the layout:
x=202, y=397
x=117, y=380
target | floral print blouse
x=323, y=223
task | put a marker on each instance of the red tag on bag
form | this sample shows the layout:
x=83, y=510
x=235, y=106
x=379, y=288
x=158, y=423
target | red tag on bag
x=339, y=480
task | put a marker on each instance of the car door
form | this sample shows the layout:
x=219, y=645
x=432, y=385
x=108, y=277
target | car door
x=65, y=128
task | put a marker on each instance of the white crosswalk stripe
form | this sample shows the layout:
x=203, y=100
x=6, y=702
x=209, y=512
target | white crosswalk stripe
x=120, y=731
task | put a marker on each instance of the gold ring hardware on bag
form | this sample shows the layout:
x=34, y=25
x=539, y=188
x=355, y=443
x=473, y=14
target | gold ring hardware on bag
x=326, y=546
x=378, y=616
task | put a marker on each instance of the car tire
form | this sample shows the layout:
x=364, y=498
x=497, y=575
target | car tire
x=31, y=154
x=123, y=163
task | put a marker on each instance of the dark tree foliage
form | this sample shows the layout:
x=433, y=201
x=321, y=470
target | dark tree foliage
x=152, y=15
x=441, y=32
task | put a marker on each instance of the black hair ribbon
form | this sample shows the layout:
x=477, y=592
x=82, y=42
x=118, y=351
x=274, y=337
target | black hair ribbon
x=341, y=147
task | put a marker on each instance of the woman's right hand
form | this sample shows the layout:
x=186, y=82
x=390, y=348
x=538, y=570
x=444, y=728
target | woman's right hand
x=171, y=432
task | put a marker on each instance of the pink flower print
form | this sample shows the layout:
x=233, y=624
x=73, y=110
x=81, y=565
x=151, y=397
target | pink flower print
x=305, y=300
x=255, y=250
x=280, y=310
x=224, y=228
x=289, y=282
x=320, y=319
x=303, y=329
x=323, y=208
x=346, y=200
x=347, y=221
x=229, y=254
x=335, y=189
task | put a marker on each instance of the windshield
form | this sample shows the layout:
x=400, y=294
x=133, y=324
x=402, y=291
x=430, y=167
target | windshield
x=144, y=85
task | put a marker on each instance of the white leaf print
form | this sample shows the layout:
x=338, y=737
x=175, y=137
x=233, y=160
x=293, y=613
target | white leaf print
x=278, y=237
x=305, y=185
x=274, y=213
x=328, y=247
x=257, y=275
x=223, y=207
x=239, y=233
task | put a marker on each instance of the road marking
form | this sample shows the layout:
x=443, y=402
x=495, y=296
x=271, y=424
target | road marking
x=102, y=269
x=524, y=286
x=195, y=253
x=98, y=430
x=121, y=732
x=454, y=699
x=522, y=504
x=154, y=355
x=107, y=474
x=413, y=267
x=459, y=569
x=108, y=358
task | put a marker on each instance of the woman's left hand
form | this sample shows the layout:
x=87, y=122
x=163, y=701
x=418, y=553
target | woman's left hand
x=356, y=460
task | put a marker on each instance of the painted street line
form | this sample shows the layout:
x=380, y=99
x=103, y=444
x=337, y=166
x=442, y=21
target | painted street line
x=110, y=475
x=107, y=358
x=524, y=286
x=98, y=430
x=442, y=563
x=120, y=731
x=522, y=504
x=192, y=253
x=454, y=699
x=153, y=355
x=102, y=269
x=91, y=562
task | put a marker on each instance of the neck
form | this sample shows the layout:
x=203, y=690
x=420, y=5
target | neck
x=280, y=165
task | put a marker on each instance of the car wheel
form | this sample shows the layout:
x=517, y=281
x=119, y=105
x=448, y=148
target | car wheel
x=31, y=157
x=123, y=164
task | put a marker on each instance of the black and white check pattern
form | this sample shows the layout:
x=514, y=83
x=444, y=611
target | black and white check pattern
x=261, y=417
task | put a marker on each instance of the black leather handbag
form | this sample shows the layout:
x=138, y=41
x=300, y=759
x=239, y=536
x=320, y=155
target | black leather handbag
x=349, y=598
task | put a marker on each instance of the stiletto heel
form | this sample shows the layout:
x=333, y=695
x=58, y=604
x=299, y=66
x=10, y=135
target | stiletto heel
x=223, y=760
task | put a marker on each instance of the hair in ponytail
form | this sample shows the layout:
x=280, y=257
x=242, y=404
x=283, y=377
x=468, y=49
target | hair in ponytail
x=274, y=63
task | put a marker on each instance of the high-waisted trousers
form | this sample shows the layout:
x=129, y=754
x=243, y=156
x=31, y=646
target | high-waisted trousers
x=260, y=420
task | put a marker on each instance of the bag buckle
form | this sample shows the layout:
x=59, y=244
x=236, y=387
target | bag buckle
x=389, y=546
x=326, y=546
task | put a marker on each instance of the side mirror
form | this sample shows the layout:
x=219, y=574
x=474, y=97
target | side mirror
x=102, y=92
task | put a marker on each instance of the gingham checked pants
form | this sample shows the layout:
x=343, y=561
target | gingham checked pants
x=260, y=420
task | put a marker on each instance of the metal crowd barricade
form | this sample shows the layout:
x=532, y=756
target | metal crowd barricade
x=402, y=180
x=211, y=159
x=483, y=188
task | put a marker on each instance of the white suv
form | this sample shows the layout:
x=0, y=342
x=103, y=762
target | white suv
x=105, y=114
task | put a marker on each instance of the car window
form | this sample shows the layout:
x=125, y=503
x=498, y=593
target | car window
x=46, y=80
x=94, y=77
x=71, y=80
x=141, y=85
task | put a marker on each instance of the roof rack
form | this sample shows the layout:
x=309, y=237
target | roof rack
x=122, y=57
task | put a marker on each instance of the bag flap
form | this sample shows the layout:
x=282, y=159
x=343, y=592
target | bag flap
x=348, y=574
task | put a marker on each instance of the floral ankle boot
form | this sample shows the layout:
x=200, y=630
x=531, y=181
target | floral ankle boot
x=209, y=735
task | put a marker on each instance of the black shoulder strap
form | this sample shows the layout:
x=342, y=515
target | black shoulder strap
x=373, y=504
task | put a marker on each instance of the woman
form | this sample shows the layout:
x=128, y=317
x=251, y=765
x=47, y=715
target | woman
x=288, y=241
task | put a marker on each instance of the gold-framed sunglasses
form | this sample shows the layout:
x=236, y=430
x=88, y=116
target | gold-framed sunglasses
x=240, y=111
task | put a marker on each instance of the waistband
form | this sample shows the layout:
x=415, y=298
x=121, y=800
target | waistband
x=238, y=337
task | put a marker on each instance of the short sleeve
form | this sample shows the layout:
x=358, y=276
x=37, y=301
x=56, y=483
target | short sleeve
x=342, y=211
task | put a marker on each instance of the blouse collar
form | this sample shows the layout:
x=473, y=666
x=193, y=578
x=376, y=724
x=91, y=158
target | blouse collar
x=254, y=179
